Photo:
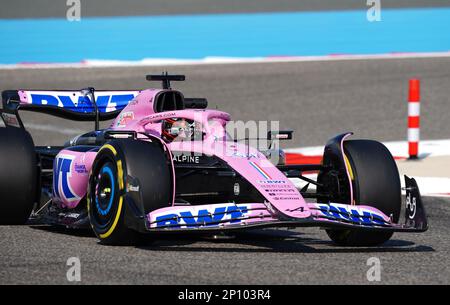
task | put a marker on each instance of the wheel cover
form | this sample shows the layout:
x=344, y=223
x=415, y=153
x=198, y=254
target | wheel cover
x=104, y=190
x=104, y=195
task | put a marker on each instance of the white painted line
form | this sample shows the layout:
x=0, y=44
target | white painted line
x=427, y=148
x=429, y=186
x=432, y=186
x=97, y=63
x=447, y=195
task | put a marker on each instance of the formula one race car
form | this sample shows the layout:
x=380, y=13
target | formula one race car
x=168, y=164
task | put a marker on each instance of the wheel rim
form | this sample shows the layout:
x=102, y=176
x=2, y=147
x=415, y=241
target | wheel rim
x=104, y=190
x=104, y=195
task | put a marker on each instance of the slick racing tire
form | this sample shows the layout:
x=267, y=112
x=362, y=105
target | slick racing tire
x=18, y=176
x=376, y=182
x=117, y=160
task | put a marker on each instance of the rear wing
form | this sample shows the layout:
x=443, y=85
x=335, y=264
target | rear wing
x=68, y=104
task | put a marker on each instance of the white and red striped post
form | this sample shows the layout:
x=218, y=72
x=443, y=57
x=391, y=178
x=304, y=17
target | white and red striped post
x=413, y=118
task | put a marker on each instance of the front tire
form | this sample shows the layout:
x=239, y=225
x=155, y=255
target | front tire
x=376, y=182
x=115, y=162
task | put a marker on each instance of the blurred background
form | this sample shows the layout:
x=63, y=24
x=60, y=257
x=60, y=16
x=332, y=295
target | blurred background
x=312, y=65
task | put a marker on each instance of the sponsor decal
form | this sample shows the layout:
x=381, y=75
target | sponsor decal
x=162, y=115
x=287, y=198
x=156, y=117
x=411, y=206
x=124, y=118
x=236, y=189
x=132, y=184
x=133, y=188
x=70, y=215
x=269, y=207
x=283, y=194
x=186, y=159
x=280, y=190
x=61, y=174
x=75, y=101
x=278, y=187
x=80, y=168
x=238, y=154
x=11, y=119
x=351, y=213
x=268, y=182
x=190, y=218
x=134, y=102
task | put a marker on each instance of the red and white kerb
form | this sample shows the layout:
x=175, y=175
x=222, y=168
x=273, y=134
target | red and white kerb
x=413, y=118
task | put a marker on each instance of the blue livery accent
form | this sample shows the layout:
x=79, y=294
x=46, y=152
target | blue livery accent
x=232, y=213
x=170, y=220
x=83, y=104
x=61, y=172
x=352, y=215
x=203, y=217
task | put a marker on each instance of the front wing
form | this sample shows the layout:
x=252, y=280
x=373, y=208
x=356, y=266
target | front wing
x=231, y=216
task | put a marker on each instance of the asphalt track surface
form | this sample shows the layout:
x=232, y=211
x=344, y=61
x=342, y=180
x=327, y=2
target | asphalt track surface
x=317, y=100
x=58, y=9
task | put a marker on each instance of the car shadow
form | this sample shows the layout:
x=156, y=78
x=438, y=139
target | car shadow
x=65, y=231
x=252, y=241
x=275, y=241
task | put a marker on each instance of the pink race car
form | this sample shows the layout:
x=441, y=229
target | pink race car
x=168, y=164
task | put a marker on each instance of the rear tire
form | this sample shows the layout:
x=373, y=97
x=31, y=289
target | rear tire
x=18, y=176
x=376, y=182
x=114, y=162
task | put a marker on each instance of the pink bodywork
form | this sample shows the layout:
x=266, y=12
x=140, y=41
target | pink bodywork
x=139, y=116
x=282, y=199
x=78, y=177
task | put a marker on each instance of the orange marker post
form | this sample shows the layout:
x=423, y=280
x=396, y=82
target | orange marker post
x=413, y=118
